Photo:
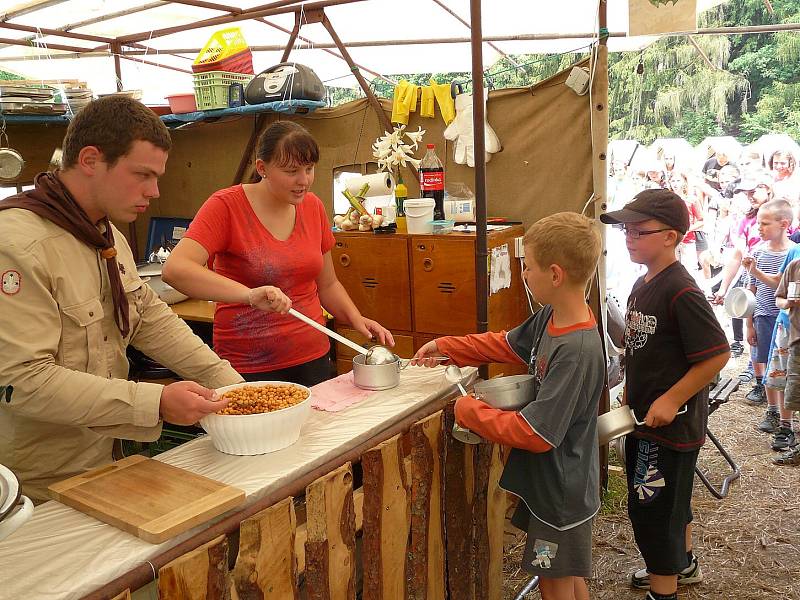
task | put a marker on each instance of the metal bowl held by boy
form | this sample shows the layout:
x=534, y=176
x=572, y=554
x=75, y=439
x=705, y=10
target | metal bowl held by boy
x=507, y=393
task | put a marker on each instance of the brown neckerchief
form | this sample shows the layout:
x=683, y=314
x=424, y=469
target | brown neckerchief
x=51, y=200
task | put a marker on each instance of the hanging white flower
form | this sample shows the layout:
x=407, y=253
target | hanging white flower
x=392, y=151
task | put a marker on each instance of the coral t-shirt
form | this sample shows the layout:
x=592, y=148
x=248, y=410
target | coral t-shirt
x=242, y=249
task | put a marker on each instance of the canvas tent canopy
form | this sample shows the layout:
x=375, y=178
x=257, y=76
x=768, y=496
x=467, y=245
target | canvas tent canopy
x=75, y=39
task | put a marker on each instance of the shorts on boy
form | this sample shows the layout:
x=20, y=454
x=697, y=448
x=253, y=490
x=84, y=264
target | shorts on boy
x=659, y=502
x=764, y=326
x=553, y=553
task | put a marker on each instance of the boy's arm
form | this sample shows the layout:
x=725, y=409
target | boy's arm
x=499, y=426
x=663, y=410
x=478, y=349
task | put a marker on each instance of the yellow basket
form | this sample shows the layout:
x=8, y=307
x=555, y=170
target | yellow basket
x=221, y=45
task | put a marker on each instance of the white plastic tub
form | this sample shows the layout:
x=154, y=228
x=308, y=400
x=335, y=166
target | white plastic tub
x=245, y=435
x=419, y=214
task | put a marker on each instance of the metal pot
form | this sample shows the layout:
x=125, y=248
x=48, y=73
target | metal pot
x=507, y=393
x=375, y=377
x=740, y=303
x=151, y=275
x=618, y=422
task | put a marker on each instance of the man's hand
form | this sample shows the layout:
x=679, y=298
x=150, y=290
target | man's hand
x=186, y=402
x=662, y=412
x=269, y=299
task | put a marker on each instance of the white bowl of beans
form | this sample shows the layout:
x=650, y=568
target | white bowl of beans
x=261, y=417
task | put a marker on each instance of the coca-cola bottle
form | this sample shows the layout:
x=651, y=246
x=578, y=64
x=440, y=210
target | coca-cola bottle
x=431, y=181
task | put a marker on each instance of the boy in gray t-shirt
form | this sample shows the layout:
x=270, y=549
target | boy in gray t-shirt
x=787, y=296
x=553, y=467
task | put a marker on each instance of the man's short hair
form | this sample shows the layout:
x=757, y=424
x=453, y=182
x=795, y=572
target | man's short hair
x=568, y=240
x=112, y=124
x=781, y=209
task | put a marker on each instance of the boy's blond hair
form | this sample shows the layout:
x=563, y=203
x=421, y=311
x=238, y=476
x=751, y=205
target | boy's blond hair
x=568, y=240
x=780, y=209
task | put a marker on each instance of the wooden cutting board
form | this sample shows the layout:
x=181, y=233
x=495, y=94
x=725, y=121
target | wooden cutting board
x=150, y=499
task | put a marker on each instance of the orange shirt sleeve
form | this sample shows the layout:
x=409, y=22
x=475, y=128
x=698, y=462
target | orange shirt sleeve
x=500, y=426
x=478, y=349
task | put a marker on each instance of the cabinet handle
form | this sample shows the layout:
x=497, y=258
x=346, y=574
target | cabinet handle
x=427, y=264
x=421, y=247
x=344, y=260
x=340, y=244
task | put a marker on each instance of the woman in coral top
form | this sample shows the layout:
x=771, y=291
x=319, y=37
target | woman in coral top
x=268, y=244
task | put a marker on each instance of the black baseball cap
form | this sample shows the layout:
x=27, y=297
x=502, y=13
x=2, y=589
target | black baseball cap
x=661, y=205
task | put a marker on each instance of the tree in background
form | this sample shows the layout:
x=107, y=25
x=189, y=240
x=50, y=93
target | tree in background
x=740, y=85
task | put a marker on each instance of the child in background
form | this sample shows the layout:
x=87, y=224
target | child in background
x=674, y=347
x=554, y=437
x=785, y=300
x=774, y=219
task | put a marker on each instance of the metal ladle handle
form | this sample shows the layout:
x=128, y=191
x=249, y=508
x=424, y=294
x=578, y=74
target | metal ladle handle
x=682, y=411
x=328, y=332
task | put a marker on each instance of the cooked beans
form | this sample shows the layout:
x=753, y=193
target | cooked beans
x=251, y=400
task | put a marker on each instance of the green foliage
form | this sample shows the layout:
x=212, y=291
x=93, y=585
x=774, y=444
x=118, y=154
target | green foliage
x=740, y=85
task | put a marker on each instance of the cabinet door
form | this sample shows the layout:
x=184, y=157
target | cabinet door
x=374, y=271
x=443, y=274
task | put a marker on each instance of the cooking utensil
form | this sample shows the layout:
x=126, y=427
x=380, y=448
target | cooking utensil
x=9, y=491
x=740, y=303
x=147, y=498
x=620, y=421
x=453, y=374
x=151, y=275
x=21, y=512
x=328, y=332
x=506, y=393
x=375, y=377
x=380, y=355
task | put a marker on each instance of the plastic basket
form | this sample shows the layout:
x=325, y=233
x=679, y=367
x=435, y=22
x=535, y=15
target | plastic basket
x=241, y=62
x=212, y=87
x=221, y=45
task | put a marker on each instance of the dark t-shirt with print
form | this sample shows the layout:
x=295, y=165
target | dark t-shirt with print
x=668, y=327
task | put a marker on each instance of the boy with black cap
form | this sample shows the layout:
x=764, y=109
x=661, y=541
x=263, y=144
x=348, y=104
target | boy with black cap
x=674, y=347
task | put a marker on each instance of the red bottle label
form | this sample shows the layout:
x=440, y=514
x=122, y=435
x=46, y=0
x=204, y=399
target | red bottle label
x=431, y=181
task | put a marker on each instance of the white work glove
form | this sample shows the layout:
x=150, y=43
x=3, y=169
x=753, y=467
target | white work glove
x=460, y=131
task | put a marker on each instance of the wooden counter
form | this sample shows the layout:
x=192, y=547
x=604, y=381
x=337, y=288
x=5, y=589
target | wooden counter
x=63, y=554
x=195, y=310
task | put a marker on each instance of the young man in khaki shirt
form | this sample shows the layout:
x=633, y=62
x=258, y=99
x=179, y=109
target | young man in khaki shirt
x=71, y=302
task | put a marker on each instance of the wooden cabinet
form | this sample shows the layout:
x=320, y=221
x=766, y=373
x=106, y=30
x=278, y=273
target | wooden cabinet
x=422, y=287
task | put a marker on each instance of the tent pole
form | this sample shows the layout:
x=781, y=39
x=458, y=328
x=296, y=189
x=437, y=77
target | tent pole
x=599, y=133
x=292, y=38
x=382, y=118
x=478, y=110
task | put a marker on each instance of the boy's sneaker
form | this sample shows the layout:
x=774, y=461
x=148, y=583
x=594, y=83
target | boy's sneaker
x=737, y=349
x=771, y=422
x=757, y=396
x=783, y=439
x=790, y=458
x=691, y=574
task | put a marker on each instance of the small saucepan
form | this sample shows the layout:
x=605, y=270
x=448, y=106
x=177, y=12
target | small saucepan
x=618, y=422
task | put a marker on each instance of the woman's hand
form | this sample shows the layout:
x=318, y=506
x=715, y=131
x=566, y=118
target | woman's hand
x=374, y=331
x=427, y=355
x=269, y=299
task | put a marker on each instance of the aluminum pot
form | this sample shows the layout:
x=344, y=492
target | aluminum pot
x=507, y=393
x=615, y=423
x=375, y=377
x=618, y=422
x=740, y=303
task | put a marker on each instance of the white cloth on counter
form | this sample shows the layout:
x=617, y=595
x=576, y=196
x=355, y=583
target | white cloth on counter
x=63, y=554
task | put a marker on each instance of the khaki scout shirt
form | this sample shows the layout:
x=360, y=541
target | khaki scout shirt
x=64, y=354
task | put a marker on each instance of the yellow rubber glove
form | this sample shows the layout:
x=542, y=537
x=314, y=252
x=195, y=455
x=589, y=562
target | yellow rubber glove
x=399, y=111
x=426, y=104
x=445, y=101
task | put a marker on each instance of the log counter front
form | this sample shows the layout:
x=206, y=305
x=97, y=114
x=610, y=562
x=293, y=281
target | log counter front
x=428, y=483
